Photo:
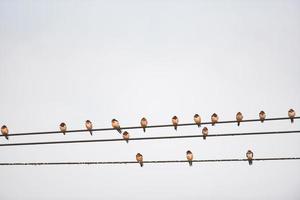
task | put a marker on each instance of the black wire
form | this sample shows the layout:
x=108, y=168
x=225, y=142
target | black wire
x=152, y=138
x=138, y=127
x=152, y=161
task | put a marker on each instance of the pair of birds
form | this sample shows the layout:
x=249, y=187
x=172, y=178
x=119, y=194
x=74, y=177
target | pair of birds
x=88, y=125
x=189, y=157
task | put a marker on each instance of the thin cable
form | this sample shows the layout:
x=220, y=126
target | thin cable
x=152, y=161
x=152, y=138
x=138, y=127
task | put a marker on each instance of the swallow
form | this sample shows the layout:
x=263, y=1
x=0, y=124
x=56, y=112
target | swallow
x=115, y=124
x=126, y=136
x=292, y=115
x=89, y=126
x=189, y=157
x=144, y=123
x=239, y=118
x=197, y=119
x=214, y=119
x=139, y=159
x=262, y=116
x=63, y=128
x=175, y=122
x=205, y=132
x=4, y=131
x=249, y=156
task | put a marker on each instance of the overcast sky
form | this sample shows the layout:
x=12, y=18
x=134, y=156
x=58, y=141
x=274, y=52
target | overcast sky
x=76, y=60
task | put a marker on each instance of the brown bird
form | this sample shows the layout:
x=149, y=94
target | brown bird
x=262, y=116
x=205, y=132
x=89, y=126
x=63, y=128
x=292, y=115
x=139, y=159
x=126, y=136
x=115, y=124
x=214, y=119
x=189, y=157
x=4, y=131
x=249, y=156
x=175, y=122
x=197, y=119
x=144, y=123
x=239, y=118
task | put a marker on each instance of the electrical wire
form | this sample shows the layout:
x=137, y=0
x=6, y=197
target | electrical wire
x=152, y=161
x=139, y=127
x=153, y=138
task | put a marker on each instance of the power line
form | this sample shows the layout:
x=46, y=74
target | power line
x=139, y=127
x=152, y=161
x=152, y=138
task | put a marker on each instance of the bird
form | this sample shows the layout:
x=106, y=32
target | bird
x=197, y=119
x=214, y=119
x=63, y=128
x=249, y=156
x=126, y=136
x=139, y=159
x=115, y=124
x=144, y=123
x=262, y=116
x=189, y=157
x=292, y=115
x=205, y=132
x=89, y=126
x=175, y=122
x=4, y=131
x=239, y=118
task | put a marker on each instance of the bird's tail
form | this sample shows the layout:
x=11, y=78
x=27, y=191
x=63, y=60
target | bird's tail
x=239, y=123
x=199, y=125
x=144, y=129
x=119, y=130
x=204, y=137
x=175, y=127
x=91, y=132
x=190, y=163
x=142, y=164
x=127, y=141
x=6, y=136
x=213, y=123
x=262, y=121
x=292, y=120
x=250, y=162
x=64, y=133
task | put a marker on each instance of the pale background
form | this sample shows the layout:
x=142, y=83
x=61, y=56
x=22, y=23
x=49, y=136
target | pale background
x=76, y=60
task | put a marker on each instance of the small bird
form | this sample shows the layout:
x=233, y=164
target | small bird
x=249, y=156
x=175, y=122
x=89, y=126
x=197, y=119
x=144, y=123
x=239, y=118
x=262, y=116
x=4, y=131
x=189, y=157
x=292, y=115
x=63, y=128
x=139, y=159
x=205, y=132
x=126, y=136
x=214, y=119
x=115, y=124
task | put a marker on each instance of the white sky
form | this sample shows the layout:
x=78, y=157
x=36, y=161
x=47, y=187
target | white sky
x=76, y=60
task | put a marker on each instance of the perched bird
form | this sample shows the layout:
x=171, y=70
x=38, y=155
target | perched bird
x=126, y=136
x=205, y=132
x=115, y=124
x=239, y=118
x=139, y=159
x=197, y=119
x=89, y=126
x=63, y=128
x=262, y=116
x=175, y=122
x=292, y=115
x=189, y=157
x=214, y=119
x=4, y=131
x=144, y=123
x=249, y=155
